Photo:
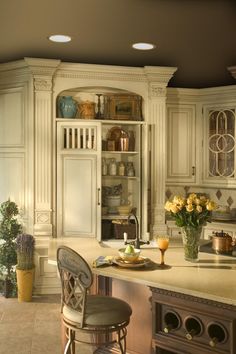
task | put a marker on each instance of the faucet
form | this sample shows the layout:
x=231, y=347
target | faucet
x=137, y=242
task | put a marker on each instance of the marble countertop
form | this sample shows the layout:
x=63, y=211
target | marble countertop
x=213, y=277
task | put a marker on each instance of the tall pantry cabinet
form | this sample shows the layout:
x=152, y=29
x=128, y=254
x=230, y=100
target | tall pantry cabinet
x=31, y=158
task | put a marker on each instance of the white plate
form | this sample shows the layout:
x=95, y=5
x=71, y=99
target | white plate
x=140, y=262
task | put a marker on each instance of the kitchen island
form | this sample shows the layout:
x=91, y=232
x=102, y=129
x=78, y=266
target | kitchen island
x=200, y=295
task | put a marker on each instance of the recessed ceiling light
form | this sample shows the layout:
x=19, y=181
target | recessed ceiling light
x=61, y=38
x=143, y=46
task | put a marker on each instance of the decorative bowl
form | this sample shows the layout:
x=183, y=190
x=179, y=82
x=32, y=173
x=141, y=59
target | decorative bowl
x=124, y=209
x=129, y=257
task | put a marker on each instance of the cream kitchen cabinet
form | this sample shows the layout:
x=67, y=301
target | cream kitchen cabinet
x=181, y=144
x=81, y=182
x=201, y=128
x=78, y=179
x=213, y=227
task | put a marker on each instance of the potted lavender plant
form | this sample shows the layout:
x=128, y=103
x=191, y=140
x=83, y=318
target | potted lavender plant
x=25, y=266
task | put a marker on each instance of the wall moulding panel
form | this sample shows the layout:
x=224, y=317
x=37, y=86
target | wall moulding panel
x=12, y=178
x=16, y=138
x=12, y=114
x=46, y=278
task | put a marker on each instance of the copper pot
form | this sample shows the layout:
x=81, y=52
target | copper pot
x=222, y=243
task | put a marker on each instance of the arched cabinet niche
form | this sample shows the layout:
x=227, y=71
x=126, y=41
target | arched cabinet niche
x=101, y=163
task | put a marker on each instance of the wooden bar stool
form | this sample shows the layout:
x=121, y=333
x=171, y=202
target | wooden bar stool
x=88, y=319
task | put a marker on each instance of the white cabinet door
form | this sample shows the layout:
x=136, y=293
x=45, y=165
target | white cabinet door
x=79, y=179
x=181, y=144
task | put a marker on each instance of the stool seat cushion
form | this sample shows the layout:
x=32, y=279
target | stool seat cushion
x=100, y=311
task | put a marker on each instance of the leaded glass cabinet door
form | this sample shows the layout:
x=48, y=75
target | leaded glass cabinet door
x=220, y=145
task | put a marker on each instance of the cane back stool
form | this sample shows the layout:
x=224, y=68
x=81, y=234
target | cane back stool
x=88, y=319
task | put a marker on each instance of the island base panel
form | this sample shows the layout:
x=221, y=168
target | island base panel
x=185, y=324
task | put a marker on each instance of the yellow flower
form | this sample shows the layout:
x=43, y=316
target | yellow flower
x=203, y=199
x=174, y=209
x=168, y=205
x=199, y=208
x=189, y=207
x=191, y=211
x=211, y=205
x=192, y=196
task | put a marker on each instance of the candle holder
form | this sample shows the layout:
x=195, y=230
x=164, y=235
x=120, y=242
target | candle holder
x=99, y=113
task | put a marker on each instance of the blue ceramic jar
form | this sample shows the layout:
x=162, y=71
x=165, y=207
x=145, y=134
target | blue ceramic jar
x=67, y=106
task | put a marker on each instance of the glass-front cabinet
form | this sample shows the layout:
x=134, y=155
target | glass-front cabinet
x=219, y=145
x=121, y=177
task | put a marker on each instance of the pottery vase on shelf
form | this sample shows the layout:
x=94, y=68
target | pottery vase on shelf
x=86, y=110
x=191, y=237
x=67, y=106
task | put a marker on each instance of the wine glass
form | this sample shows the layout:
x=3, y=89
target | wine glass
x=162, y=244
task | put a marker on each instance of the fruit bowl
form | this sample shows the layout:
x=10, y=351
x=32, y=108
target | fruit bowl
x=131, y=256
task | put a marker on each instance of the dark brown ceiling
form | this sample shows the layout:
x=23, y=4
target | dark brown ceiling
x=197, y=36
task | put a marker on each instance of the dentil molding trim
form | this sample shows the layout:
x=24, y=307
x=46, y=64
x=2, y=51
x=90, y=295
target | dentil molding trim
x=112, y=72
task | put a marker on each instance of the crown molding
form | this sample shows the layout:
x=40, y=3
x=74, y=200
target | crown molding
x=42, y=67
x=159, y=75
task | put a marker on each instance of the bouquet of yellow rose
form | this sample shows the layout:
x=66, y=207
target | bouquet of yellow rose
x=193, y=211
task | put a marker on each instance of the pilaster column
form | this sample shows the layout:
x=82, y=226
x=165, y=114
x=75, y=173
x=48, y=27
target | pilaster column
x=42, y=71
x=158, y=79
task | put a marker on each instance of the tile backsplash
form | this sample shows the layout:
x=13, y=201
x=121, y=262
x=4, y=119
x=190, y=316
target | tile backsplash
x=219, y=195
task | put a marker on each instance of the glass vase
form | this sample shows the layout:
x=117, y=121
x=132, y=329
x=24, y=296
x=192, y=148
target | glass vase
x=191, y=237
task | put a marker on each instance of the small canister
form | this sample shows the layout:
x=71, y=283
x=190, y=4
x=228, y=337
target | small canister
x=130, y=169
x=112, y=168
x=222, y=243
x=121, y=169
x=104, y=167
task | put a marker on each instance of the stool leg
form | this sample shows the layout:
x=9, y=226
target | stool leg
x=70, y=346
x=121, y=338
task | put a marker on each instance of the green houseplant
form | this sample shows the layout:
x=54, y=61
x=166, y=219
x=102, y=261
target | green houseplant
x=25, y=266
x=9, y=229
